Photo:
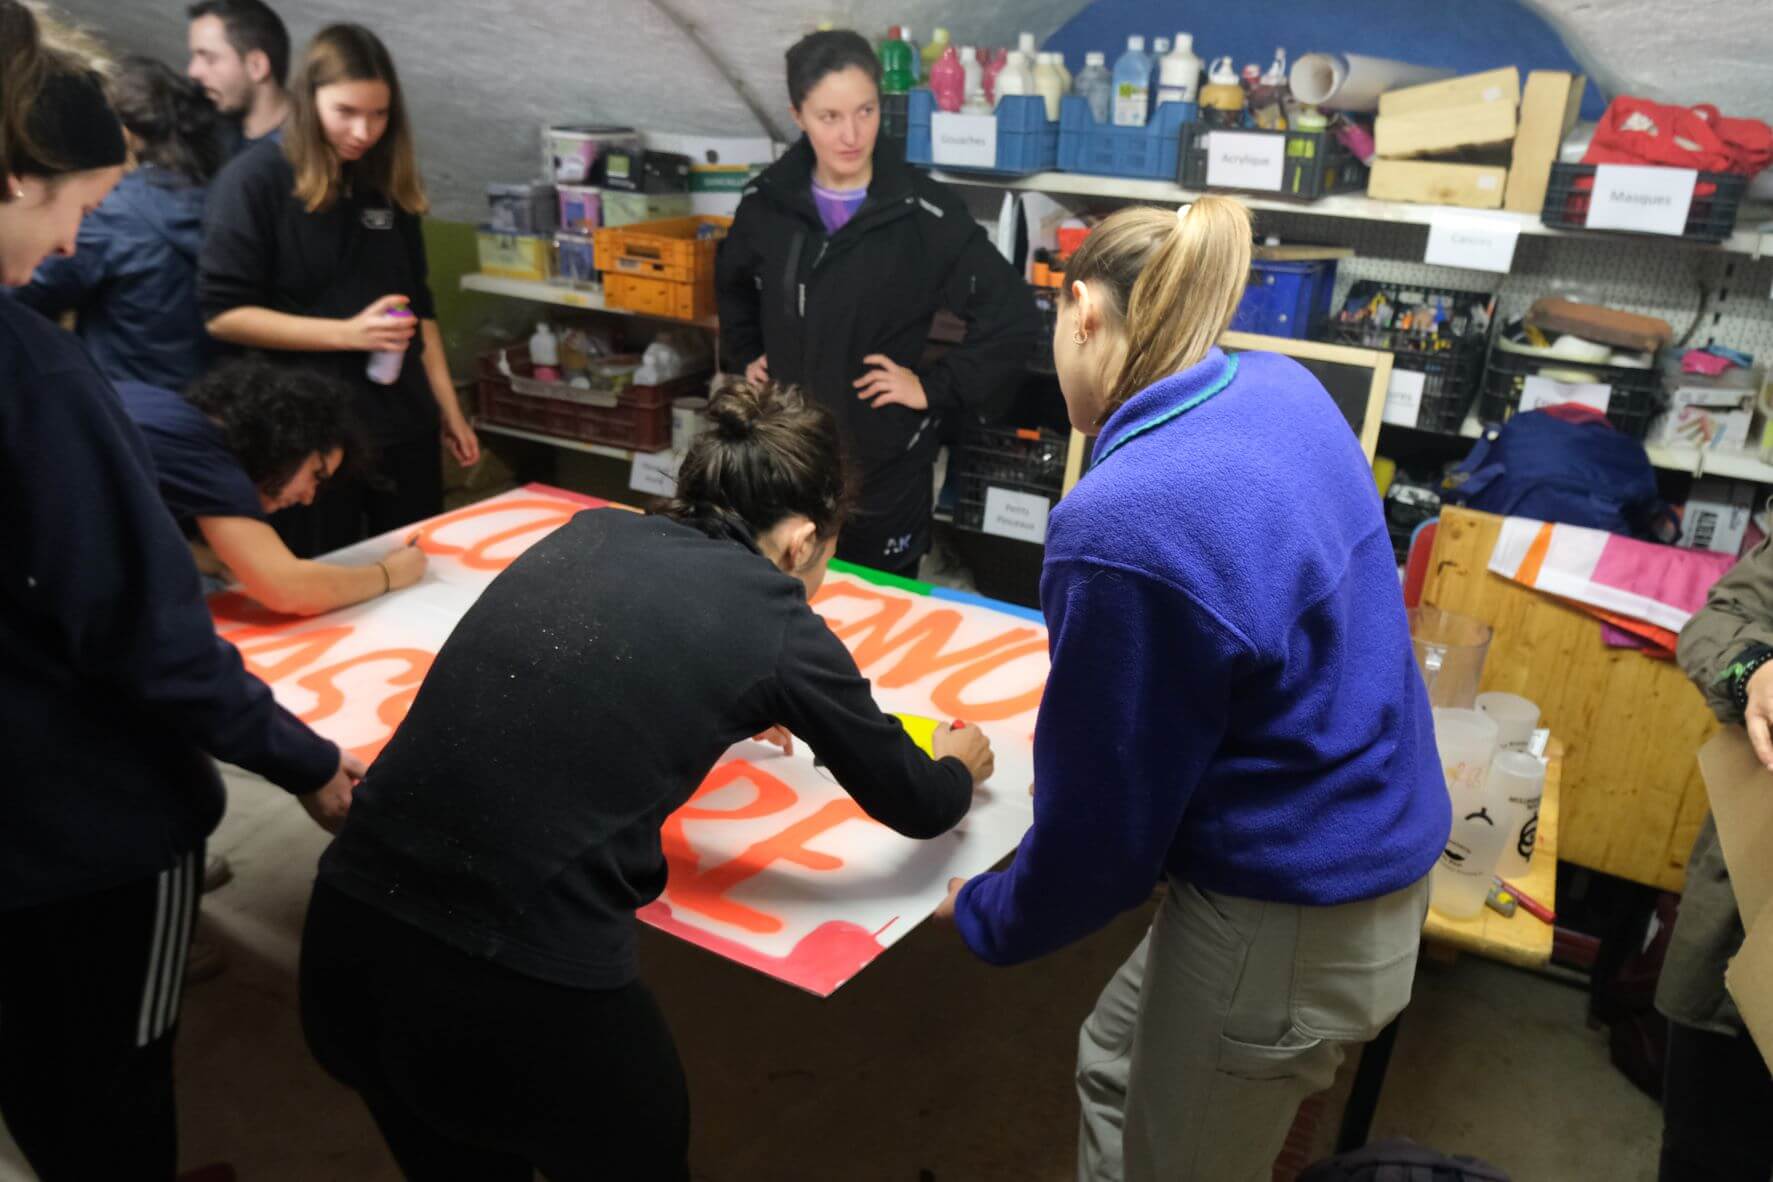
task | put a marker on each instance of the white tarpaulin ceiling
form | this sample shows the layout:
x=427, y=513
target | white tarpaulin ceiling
x=483, y=79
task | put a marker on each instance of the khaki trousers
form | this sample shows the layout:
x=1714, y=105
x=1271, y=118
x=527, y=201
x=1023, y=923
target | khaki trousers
x=1228, y=1014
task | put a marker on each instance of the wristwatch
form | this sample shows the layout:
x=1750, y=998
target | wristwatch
x=1737, y=674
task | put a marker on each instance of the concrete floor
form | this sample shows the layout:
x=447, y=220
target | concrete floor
x=929, y=1067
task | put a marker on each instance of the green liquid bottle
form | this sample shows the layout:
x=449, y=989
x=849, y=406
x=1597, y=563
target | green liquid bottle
x=896, y=75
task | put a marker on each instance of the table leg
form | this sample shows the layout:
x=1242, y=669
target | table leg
x=1363, y=1097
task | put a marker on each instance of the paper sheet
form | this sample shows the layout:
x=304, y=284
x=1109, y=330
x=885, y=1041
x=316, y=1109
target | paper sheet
x=1353, y=81
x=771, y=864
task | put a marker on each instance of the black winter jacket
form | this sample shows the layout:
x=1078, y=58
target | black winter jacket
x=817, y=304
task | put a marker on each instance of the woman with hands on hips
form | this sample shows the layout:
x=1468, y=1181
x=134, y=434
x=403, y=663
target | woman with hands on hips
x=314, y=253
x=839, y=257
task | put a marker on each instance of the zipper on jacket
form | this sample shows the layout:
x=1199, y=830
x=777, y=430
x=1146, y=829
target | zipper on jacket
x=791, y=275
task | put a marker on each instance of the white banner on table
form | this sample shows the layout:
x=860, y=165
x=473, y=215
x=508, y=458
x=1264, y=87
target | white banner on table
x=771, y=864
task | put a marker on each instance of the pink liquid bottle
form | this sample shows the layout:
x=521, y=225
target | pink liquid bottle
x=948, y=80
x=994, y=65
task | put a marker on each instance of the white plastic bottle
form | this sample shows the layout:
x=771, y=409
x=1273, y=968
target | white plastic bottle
x=1095, y=85
x=1132, y=85
x=1015, y=77
x=975, y=72
x=1159, y=47
x=1048, y=84
x=916, y=54
x=1179, y=72
x=1025, y=43
x=1064, y=74
x=544, y=353
x=385, y=364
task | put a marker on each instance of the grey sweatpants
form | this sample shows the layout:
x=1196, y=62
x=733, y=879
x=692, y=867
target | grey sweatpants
x=1227, y=1015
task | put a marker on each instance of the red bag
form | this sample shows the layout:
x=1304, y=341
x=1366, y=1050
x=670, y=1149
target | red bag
x=1638, y=131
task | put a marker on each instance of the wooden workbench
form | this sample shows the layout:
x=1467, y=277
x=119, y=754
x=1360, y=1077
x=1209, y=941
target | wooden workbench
x=1519, y=939
x=1632, y=797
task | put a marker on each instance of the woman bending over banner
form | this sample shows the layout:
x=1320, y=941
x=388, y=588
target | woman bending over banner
x=250, y=438
x=1233, y=709
x=468, y=964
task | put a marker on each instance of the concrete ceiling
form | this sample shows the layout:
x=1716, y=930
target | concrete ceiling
x=483, y=79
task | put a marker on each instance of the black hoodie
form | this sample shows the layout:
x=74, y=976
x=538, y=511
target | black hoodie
x=818, y=303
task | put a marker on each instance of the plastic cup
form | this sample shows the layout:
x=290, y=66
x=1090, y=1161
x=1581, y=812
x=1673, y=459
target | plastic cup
x=1467, y=743
x=1520, y=779
x=1450, y=652
x=1515, y=717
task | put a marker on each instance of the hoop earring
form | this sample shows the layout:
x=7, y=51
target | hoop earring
x=1080, y=337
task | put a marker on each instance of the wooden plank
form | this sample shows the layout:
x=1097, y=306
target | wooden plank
x=1631, y=725
x=1518, y=939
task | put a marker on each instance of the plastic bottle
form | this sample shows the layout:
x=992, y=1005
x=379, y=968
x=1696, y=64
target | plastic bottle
x=948, y=80
x=895, y=65
x=1132, y=85
x=384, y=364
x=1025, y=43
x=1178, y=72
x=544, y=354
x=1159, y=47
x=975, y=72
x=916, y=54
x=993, y=67
x=1015, y=78
x=932, y=53
x=1268, y=98
x=1064, y=74
x=1222, y=98
x=1048, y=84
x=1095, y=84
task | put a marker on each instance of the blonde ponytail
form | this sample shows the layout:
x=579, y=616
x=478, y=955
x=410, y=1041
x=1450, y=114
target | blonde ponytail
x=1173, y=278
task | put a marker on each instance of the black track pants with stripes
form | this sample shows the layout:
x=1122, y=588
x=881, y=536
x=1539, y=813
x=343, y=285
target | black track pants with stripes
x=89, y=1004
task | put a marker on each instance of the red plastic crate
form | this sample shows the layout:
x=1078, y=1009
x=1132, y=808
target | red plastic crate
x=640, y=418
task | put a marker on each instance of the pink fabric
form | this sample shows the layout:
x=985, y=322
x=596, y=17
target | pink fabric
x=1620, y=638
x=1667, y=574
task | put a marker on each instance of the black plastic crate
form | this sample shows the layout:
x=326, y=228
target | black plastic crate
x=1711, y=217
x=1021, y=459
x=1636, y=398
x=1448, y=353
x=1316, y=165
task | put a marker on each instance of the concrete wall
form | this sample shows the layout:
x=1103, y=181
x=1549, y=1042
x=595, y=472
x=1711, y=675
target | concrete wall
x=484, y=78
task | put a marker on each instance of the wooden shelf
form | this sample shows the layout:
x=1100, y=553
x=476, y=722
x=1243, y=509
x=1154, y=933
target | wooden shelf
x=588, y=298
x=596, y=449
x=1754, y=235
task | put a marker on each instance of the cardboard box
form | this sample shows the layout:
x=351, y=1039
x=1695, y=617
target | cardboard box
x=1740, y=792
x=1475, y=186
x=1489, y=87
x=1423, y=133
x=1549, y=106
x=1716, y=515
x=1609, y=326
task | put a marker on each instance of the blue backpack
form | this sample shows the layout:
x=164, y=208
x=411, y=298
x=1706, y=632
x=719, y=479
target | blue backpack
x=1567, y=467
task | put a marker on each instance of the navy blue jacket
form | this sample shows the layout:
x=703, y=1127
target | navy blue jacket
x=113, y=683
x=132, y=281
x=1233, y=697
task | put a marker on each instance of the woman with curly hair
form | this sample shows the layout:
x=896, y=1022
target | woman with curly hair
x=250, y=438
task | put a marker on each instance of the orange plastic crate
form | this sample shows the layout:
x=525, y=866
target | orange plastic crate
x=671, y=249
x=659, y=297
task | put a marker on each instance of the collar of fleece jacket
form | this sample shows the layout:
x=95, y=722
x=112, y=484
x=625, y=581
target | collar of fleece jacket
x=1162, y=402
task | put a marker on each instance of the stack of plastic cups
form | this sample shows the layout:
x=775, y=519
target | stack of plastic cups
x=1523, y=777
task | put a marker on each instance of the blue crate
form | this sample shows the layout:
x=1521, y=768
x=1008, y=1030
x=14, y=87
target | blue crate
x=1027, y=141
x=1102, y=148
x=1286, y=299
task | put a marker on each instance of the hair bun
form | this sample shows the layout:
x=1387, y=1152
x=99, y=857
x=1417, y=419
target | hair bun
x=736, y=407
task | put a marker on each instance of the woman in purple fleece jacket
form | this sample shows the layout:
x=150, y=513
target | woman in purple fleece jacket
x=1233, y=709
